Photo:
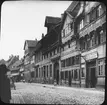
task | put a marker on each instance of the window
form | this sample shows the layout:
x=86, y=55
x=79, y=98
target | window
x=72, y=59
x=77, y=59
x=88, y=41
x=82, y=72
x=63, y=33
x=100, y=67
x=87, y=19
x=100, y=11
x=81, y=24
x=83, y=45
x=93, y=15
x=67, y=62
x=71, y=26
x=104, y=30
x=63, y=63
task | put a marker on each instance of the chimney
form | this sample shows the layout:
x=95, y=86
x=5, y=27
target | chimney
x=42, y=35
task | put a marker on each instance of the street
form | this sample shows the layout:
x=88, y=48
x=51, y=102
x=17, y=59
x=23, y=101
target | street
x=33, y=93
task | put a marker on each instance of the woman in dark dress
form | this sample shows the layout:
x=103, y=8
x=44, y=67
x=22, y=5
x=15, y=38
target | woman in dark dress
x=5, y=91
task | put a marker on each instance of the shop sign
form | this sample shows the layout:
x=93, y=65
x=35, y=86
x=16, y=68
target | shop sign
x=91, y=56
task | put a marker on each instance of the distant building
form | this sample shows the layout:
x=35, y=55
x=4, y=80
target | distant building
x=28, y=50
x=15, y=70
x=73, y=52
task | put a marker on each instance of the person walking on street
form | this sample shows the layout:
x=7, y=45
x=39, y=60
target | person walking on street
x=5, y=90
x=13, y=84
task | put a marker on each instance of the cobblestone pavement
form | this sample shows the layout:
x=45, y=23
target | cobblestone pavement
x=32, y=93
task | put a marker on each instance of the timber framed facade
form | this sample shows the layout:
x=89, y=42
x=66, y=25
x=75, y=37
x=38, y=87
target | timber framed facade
x=73, y=52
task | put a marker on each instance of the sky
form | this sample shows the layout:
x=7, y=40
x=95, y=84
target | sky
x=24, y=20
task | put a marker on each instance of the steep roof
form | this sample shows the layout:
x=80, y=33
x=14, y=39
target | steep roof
x=72, y=5
x=17, y=63
x=31, y=43
x=51, y=20
x=71, y=11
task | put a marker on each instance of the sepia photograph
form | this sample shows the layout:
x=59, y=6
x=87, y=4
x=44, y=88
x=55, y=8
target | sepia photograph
x=53, y=52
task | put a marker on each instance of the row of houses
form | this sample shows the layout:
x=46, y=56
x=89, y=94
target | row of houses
x=73, y=52
x=15, y=65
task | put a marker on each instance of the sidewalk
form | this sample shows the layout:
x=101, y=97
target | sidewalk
x=67, y=87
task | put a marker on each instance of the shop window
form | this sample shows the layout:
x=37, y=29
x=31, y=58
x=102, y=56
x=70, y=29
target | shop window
x=41, y=72
x=100, y=68
x=82, y=72
x=32, y=74
x=36, y=72
x=72, y=74
x=66, y=74
x=44, y=71
x=62, y=75
x=47, y=71
x=75, y=74
x=51, y=70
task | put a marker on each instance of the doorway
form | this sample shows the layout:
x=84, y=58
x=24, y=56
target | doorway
x=91, y=78
x=56, y=72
